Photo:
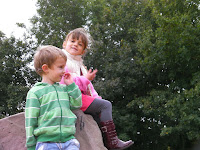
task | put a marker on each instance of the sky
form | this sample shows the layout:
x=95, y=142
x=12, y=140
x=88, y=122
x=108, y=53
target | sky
x=16, y=11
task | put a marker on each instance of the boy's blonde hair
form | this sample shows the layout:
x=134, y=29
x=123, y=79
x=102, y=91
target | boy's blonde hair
x=80, y=33
x=47, y=55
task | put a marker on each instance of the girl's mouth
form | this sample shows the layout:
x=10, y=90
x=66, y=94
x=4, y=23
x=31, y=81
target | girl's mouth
x=74, y=49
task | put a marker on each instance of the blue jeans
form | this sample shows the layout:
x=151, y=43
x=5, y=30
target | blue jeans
x=72, y=144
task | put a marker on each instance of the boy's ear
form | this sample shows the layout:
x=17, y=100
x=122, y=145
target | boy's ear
x=45, y=68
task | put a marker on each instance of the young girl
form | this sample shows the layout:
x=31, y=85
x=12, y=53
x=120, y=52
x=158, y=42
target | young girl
x=74, y=46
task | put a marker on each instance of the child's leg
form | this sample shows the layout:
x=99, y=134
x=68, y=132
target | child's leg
x=100, y=109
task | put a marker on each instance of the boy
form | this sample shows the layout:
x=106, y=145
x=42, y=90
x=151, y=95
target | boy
x=50, y=123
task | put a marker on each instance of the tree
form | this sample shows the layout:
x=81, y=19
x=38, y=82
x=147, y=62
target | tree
x=55, y=19
x=168, y=53
x=15, y=73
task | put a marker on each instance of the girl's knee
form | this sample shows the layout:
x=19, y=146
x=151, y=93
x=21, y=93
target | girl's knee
x=108, y=104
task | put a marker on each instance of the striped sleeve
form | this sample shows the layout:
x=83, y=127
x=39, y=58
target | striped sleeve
x=31, y=115
x=75, y=96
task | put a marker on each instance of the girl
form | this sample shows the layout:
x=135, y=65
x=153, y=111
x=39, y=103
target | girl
x=74, y=46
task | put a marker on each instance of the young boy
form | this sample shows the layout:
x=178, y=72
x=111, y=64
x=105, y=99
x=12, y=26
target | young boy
x=50, y=123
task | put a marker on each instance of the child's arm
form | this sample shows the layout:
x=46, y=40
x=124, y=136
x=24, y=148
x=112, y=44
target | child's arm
x=74, y=92
x=82, y=83
x=31, y=116
x=91, y=74
x=75, y=96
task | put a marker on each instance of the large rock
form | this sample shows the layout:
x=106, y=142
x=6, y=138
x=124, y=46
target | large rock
x=12, y=132
x=88, y=132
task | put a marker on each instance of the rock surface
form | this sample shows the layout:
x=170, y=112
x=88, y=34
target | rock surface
x=12, y=132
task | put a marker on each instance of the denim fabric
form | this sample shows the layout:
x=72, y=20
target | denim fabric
x=72, y=144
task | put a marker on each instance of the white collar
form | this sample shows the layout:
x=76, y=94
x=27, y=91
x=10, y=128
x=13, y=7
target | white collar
x=73, y=57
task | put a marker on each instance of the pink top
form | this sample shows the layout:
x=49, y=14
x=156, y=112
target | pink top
x=86, y=88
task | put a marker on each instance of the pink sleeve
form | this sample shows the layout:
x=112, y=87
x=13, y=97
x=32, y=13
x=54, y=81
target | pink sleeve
x=84, y=85
x=94, y=93
x=81, y=81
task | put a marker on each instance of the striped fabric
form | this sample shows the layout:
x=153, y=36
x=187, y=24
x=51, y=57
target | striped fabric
x=48, y=115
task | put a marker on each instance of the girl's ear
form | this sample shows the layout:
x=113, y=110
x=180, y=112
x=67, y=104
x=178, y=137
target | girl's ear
x=83, y=52
x=45, y=68
x=64, y=44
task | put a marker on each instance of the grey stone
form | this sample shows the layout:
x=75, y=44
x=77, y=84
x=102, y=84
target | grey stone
x=12, y=132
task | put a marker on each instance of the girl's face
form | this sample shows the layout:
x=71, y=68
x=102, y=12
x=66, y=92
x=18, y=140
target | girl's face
x=74, y=46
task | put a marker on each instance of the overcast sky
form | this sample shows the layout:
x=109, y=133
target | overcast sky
x=13, y=11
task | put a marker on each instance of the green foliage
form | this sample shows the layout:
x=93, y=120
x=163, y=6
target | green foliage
x=170, y=47
x=168, y=53
x=113, y=29
x=14, y=73
x=56, y=18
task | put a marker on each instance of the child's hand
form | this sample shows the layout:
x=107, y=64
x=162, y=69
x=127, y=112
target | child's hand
x=91, y=74
x=68, y=79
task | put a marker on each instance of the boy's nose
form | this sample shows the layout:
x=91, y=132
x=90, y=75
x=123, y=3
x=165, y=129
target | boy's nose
x=63, y=71
x=75, y=43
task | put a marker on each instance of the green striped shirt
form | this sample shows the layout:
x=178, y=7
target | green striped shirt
x=48, y=115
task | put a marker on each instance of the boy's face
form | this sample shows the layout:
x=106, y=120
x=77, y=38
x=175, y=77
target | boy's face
x=74, y=46
x=56, y=71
